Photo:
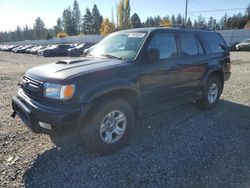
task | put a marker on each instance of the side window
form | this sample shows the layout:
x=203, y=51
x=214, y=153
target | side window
x=200, y=48
x=188, y=44
x=215, y=41
x=165, y=43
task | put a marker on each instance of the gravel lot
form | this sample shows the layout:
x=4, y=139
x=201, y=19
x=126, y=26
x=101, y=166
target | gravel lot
x=183, y=147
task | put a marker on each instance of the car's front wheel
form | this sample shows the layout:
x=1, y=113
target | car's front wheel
x=210, y=94
x=108, y=126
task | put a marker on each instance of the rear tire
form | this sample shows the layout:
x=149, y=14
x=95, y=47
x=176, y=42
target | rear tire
x=108, y=125
x=210, y=94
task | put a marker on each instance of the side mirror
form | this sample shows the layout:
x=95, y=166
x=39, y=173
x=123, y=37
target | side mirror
x=153, y=55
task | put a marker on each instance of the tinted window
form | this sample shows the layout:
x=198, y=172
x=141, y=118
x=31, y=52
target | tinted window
x=165, y=43
x=200, y=48
x=214, y=40
x=188, y=44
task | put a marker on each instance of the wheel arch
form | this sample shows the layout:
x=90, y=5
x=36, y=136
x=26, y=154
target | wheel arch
x=129, y=94
x=215, y=72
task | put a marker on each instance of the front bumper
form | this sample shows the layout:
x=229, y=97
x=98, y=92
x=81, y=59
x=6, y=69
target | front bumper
x=61, y=118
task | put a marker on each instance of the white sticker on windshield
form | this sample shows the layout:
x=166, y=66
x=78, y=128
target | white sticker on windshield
x=136, y=35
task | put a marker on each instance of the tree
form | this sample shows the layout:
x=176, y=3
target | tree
x=88, y=23
x=165, y=22
x=179, y=20
x=189, y=23
x=61, y=35
x=248, y=12
x=173, y=21
x=76, y=17
x=67, y=22
x=120, y=12
x=201, y=22
x=27, y=33
x=18, y=34
x=39, y=29
x=135, y=21
x=124, y=14
x=97, y=19
x=210, y=23
x=58, y=27
x=107, y=27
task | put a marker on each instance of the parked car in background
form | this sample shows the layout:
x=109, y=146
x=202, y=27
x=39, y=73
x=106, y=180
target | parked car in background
x=129, y=74
x=78, y=50
x=232, y=46
x=35, y=49
x=56, y=50
x=243, y=46
x=16, y=48
x=23, y=49
x=88, y=50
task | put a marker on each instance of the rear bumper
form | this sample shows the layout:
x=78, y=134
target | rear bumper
x=61, y=118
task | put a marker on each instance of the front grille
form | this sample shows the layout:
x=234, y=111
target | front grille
x=31, y=87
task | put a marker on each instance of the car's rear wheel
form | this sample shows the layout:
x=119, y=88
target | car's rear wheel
x=210, y=94
x=108, y=126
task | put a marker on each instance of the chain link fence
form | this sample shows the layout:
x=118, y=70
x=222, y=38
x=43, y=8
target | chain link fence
x=66, y=40
x=236, y=35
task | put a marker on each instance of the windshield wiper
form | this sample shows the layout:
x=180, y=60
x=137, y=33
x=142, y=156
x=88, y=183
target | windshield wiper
x=112, y=56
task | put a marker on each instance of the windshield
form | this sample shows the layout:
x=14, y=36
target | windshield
x=52, y=47
x=80, y=46
x=120, y=45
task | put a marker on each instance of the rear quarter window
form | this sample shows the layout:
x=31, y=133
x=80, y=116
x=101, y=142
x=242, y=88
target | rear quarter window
x=214, y=41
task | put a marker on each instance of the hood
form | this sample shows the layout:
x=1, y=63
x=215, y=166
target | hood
x=58, y=71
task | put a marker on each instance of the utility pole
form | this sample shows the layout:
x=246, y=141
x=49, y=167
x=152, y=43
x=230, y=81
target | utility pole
x=186, y=13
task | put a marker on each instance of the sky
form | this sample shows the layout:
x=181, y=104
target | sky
x=22, y=12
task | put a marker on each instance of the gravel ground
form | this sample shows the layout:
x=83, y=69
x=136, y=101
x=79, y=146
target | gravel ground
x=182, y=147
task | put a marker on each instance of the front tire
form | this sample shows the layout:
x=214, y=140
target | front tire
x=108, y=126
x=210, y=94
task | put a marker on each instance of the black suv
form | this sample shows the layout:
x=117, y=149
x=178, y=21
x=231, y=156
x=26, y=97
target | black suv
x=129, y=74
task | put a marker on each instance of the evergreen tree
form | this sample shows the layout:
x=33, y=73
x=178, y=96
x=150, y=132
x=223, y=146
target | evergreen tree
x=67, y=22
x=135, y=21
x=88, y=23
x=18, y=34
x=39, y=29
x=173, y=21
x=27, y=33
x=76, y=17
x=97, y=20
x=210, y=23
x=189, y=23
x=179, y=20
x=58, y=27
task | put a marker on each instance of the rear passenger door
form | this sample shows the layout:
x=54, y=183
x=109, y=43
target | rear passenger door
x=194, y=61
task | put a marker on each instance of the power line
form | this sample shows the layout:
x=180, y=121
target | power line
x=218, y=10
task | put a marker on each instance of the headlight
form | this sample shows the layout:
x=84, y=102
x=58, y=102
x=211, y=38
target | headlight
x=57, y=91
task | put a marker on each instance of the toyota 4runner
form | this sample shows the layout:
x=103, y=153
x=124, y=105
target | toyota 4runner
x=129, y=74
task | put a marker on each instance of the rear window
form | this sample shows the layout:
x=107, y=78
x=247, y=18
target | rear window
x=215, y=41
